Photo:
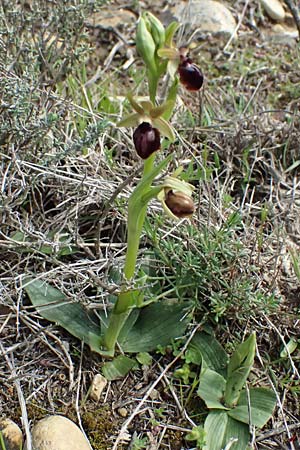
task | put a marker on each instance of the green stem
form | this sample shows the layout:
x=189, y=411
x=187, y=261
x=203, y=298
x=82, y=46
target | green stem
x=128, y=298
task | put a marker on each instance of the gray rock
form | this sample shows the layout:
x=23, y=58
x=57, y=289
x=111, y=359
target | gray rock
x=58, y=433
x=274, y=9
x=205, y=16
x=12, y=435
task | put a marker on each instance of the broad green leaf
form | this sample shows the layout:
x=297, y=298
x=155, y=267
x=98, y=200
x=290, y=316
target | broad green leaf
x=239, y=431
x=262, y=402
x=205, y=347
x=211, y=388
x=238, y=369
x=157, y=324
x=55, y=307
x=215, y=429
x=224, y=432
x=118, y=368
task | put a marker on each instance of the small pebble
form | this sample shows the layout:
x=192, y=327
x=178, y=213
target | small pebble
x=123, y=412
x=98, y=385
x=11, y=433
x=154, y=394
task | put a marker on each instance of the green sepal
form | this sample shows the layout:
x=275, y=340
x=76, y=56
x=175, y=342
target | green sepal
x=129, y=121
x=171, y=99
x=164, y=127
x=135, y=105
x=168, y=53
x=238, y=369
x=158, y=111
x=170, y=32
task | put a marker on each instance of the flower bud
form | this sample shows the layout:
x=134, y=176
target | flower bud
x=156, y=29
x=146, y=140
x=190, y=75
x=180, y=204
x=145, y=45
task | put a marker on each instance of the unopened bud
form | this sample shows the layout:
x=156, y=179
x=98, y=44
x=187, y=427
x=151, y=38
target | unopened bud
x=180, y=204
x=145, y=45
x=156, y=29
x=146, y=140
x=190, y=75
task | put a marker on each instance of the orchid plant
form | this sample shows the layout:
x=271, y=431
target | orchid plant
x=150, y=118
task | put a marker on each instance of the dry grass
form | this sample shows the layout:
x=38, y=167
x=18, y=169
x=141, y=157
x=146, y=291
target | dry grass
x=62, y=164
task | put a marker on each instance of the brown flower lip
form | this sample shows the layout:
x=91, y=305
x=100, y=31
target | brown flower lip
x=190, y=75
x=146, y=140
x=180, y=204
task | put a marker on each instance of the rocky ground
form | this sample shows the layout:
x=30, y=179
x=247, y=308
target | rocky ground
x=247, y=117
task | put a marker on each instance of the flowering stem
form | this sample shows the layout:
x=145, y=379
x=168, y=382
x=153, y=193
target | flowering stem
x=137, y=208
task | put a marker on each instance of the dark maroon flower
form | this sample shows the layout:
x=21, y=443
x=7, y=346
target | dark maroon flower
x=190, y=75
x=146, y=140
x=180, y=204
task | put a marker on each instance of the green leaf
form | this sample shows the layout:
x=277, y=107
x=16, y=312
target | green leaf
x=157, y=324
x=238, y=369
x=262, y=402
x=211, y=388
x=144, y=358
x=205, y=347
x=221, y=432
x=215, y=429
x=118, y=368
x=55, y=307
x=197, y=434
x=239, y=431
x=289, y=348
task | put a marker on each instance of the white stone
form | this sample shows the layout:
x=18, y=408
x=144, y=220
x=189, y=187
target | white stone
x=58, y=433
x=274, y=9
x=206, y=16
x=11, y=433
x=98, y=385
